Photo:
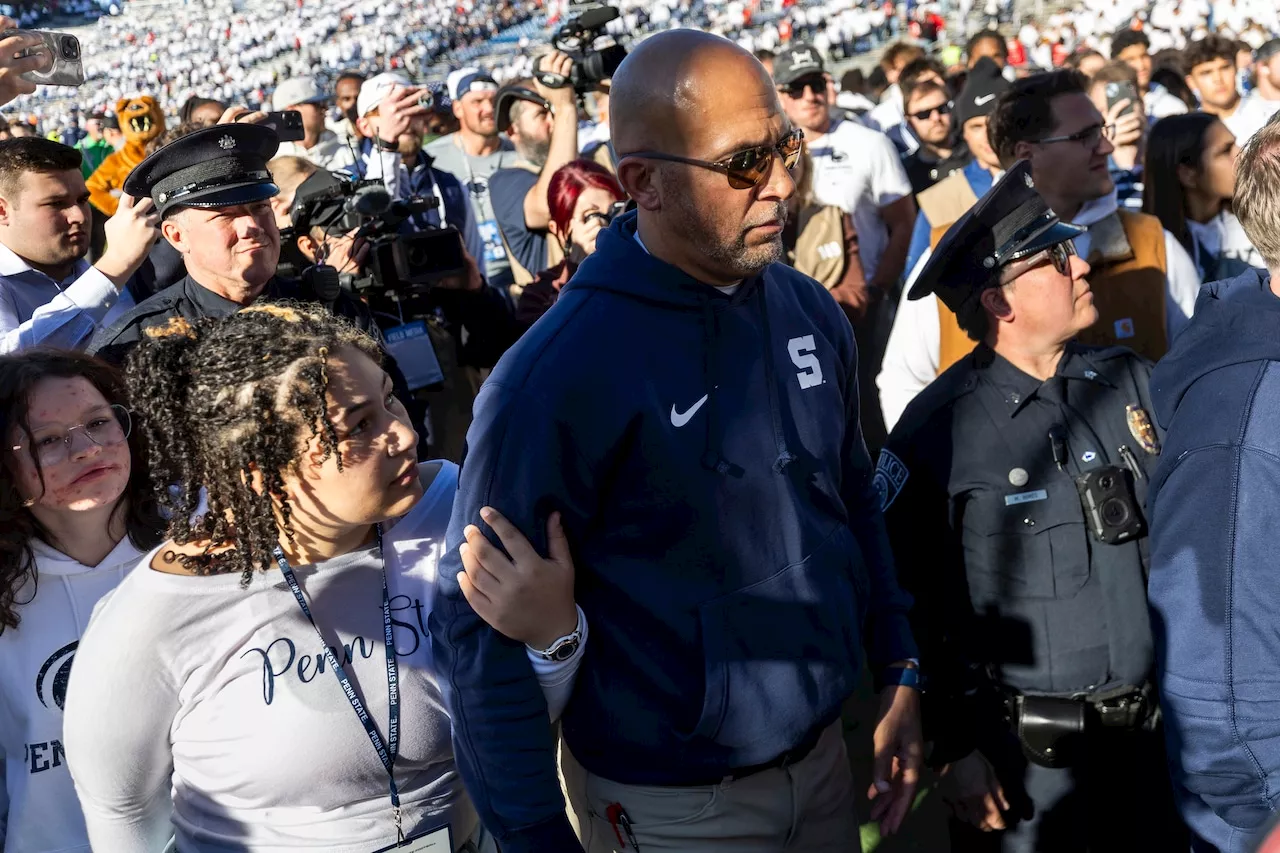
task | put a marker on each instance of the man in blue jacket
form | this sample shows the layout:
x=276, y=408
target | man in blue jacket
x=1214, y=583
x=690, y=407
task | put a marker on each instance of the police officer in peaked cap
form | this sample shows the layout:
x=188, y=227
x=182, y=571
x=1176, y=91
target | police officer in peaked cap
x=1013, y=490
x=212, y=190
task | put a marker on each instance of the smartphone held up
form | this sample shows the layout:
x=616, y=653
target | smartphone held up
x=62, y=65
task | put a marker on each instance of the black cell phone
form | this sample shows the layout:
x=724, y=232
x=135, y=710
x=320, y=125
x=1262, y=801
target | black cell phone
x=1122, y=91
x=287, y=124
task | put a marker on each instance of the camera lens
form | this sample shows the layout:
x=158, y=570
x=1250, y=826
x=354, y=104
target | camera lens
x=1115, y=512
x=1106, y=482
x=71, y=48
x=417, y=256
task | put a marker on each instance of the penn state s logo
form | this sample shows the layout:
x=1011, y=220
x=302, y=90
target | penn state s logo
x=51, y=681
x=802, y=351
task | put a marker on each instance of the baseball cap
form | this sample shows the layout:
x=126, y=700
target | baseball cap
x=298, y=90
x=982, y=89
x=796, y=62
x=466, y=80
x=376, y=88
x=508, y=95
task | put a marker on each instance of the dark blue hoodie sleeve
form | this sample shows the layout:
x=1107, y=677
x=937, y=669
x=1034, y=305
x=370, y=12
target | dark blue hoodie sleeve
x=523, y=463
x=1212, y=592
x=887, y=633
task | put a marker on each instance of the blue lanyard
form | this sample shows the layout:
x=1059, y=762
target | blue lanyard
x=388, y=752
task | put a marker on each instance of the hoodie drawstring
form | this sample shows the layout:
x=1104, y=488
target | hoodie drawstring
x=785, y=456
x=712, y=458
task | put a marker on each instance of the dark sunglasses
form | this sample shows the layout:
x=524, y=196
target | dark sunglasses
x=744, y=169
x=795, y=89
x=1059, y=255
x=940, y=110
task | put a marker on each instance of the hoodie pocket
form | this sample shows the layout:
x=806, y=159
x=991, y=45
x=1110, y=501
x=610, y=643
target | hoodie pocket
x=782, y=654
x=1035, y=549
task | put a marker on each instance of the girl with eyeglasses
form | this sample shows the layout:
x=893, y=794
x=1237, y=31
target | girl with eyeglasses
x=264, y=679
x=76, y=514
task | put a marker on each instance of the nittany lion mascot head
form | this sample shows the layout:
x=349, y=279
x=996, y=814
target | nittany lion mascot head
x=141, y=120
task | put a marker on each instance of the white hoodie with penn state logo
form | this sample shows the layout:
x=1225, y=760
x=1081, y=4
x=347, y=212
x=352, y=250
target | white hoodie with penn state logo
x=39, y=812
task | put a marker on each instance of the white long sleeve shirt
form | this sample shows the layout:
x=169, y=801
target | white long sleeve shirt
x=912, y=353
x=36, y=310
x=202, y=710
x=38, y=808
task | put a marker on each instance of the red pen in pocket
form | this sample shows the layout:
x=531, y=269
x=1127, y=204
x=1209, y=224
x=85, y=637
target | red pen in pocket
x=621, y=823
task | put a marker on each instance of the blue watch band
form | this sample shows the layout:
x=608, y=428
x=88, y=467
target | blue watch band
x=901, y=676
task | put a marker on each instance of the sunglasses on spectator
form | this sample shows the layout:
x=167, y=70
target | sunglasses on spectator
x=52, y=446
x=744, y=169
x=795, y=89
x=1091, y=136
x=1059, y=255
x=940, y=110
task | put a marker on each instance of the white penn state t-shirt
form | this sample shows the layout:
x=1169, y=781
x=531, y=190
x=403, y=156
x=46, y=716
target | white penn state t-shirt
x=858, y=170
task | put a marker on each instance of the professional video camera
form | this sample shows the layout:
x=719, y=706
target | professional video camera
x=596, y=55
x=398, y=265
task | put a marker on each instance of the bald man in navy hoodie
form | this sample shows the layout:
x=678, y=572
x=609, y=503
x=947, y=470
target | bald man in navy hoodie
x=690, y=407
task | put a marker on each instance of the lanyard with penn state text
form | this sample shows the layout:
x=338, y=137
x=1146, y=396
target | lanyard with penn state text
x=386, y=752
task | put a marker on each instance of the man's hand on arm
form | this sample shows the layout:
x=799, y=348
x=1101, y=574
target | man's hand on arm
x=564, y=139
x=900, y=219
x=131, y=233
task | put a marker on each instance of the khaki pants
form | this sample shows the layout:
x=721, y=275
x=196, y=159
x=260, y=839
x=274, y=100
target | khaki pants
x=806, y=808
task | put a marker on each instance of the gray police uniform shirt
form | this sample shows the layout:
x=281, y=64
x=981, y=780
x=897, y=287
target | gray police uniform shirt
x=35, y=310
x=473, y=173
x=989, y=532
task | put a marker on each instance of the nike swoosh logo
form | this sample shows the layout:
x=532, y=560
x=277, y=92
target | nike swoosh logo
x=679, y=419
x=983, y=100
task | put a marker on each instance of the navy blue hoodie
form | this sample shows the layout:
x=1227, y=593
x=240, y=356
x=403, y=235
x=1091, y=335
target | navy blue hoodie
x=706, y=455
x=1214, y=587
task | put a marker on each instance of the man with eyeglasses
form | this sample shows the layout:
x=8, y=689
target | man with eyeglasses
x=854, y=168
x=929, y=111
x=690, y=408
x=1014, y=494
x=1144, y=282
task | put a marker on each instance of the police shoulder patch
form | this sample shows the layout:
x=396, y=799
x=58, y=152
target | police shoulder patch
x=891, y=476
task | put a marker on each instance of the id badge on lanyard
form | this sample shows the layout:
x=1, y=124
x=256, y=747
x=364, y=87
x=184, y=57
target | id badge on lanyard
x=410, y=345
x=434, y=840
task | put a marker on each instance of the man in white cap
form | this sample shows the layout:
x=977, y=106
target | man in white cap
x=393, y=113
x=474, y=153
x=319, y=144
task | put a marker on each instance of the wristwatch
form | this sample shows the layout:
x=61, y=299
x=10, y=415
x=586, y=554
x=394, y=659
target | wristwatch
x=562, y=649
x=903, y=676
x=384, y=145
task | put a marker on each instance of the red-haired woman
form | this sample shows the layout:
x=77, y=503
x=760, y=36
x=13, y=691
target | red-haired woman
x=581, y=197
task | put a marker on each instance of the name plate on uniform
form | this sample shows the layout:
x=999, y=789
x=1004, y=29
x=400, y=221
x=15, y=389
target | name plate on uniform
x=1026, y=497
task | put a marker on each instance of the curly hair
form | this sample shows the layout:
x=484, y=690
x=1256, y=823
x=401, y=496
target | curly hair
x=19, y=374
x=228, y=404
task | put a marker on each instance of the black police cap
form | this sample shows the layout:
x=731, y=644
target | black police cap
x=1012, y=221
x=217, y=166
